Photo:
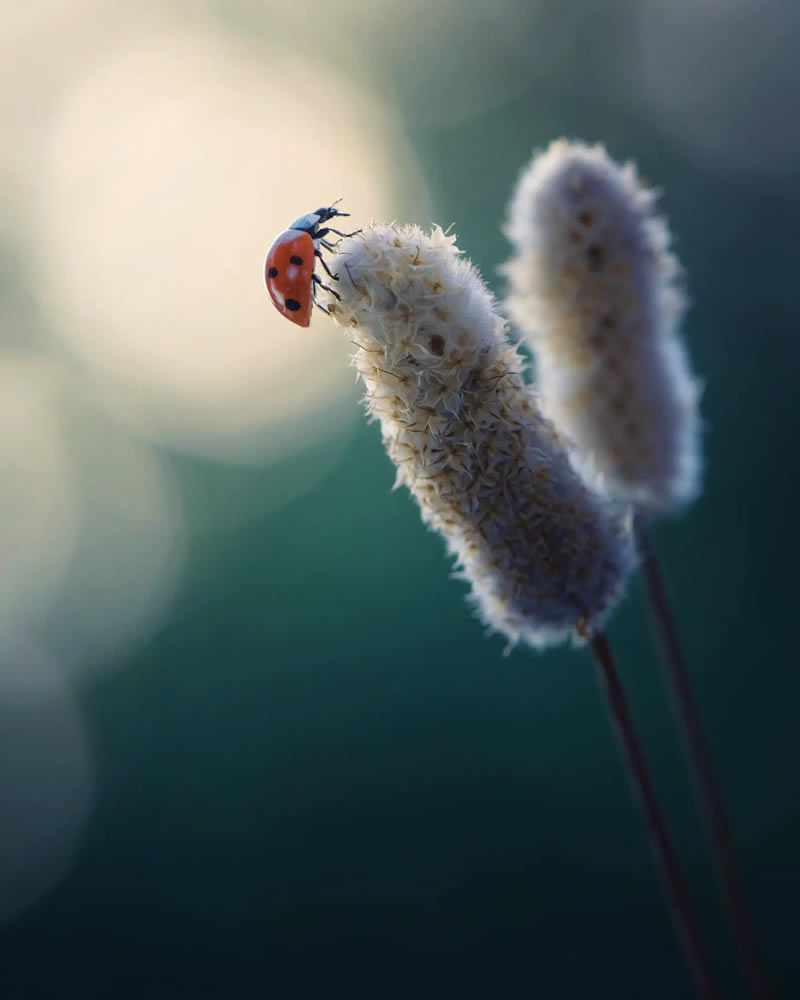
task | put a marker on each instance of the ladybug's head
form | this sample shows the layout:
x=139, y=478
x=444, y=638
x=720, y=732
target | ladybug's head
x=329, y=212
x=311, y=221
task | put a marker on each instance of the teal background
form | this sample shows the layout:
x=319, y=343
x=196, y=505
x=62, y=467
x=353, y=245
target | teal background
x=319, y=778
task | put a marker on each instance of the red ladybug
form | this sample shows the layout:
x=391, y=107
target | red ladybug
x=289, y=266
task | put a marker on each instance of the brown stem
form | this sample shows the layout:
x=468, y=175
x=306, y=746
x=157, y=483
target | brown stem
x=708, y=793
x=684, y=918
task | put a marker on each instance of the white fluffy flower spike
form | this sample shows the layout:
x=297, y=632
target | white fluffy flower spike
x=545, y=556
x=594, y=288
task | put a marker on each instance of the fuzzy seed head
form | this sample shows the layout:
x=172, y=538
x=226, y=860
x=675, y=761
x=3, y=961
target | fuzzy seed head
x=545, y=557
x=595, y=290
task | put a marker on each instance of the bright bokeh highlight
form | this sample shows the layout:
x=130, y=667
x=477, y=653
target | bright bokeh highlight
x=172, y=163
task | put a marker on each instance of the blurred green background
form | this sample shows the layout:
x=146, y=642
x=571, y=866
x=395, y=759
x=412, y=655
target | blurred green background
x=251, y=741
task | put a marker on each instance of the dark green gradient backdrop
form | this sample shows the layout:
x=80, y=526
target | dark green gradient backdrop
x=319, y=779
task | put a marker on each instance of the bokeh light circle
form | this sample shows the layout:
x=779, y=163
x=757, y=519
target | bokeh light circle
x=38, y=494
x=46, y=776
x=171, y=165
x=92, y=532
x=129, y=544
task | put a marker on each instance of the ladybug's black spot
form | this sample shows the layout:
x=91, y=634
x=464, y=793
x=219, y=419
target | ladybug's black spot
x=294, y=259
x=292, y=305
x=273, y=272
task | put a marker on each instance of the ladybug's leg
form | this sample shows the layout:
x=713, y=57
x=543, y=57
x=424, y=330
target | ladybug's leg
x=328, y=245
x=343, y=235
x=320, y=234
x=318, y=253
x=316, y=280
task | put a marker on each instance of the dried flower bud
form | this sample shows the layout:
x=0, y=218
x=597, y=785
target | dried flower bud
x=593, y=287
x=545, y=557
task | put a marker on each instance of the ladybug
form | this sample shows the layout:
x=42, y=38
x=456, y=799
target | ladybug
x=289, y=265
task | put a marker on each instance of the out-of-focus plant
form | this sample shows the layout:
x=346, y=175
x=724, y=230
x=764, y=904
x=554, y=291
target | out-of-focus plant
x=595, y=290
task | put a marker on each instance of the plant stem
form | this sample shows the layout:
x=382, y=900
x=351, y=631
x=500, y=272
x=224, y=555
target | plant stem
x=699, y=757
x=683, y=915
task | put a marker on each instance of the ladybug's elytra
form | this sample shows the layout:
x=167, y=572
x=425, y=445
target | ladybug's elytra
x=289, y=266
